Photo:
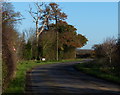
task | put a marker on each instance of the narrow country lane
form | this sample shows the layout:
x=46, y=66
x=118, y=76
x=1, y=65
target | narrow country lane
x=63, y=78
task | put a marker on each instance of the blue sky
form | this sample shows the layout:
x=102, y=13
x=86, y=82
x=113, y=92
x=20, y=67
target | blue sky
x=95, y=20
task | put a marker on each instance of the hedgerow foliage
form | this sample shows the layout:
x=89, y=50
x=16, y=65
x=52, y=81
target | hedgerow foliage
x=9, y=37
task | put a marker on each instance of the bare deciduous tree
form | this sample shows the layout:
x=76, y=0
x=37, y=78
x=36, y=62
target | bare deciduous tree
x=109, y=47
x=38, y=18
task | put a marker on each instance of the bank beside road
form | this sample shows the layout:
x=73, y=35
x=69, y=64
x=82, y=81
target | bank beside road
x=94, y=69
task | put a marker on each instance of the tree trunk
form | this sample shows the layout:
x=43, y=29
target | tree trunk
x=31, y=51
x=57, y=46
x=38, y=55
x=110, y=59
x=37, y=40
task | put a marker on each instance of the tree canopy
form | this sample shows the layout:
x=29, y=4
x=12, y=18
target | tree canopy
x=54, y=31
x=67, y=39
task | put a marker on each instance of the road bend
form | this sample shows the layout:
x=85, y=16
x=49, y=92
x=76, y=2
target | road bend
x=62, y=78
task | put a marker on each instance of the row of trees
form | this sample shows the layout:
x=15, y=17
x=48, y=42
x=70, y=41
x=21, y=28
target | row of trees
x=53, y=38
x=67, y=43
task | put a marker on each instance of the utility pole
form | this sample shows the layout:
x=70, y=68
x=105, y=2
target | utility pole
x=118, y=22
x=119, y=28
x=57, y=45
x=57, y=55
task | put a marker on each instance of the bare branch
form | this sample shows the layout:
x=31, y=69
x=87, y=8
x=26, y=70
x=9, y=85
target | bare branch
x=39, y=9
x=42, y=28
x=10, y=20
x=31, y=13
x=39, y=6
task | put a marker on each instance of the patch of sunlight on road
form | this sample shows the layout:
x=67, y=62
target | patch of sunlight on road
x=105, y=88
x=67, y=86
x=39, y=70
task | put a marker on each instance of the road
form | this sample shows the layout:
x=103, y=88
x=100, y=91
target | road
x=63, y=78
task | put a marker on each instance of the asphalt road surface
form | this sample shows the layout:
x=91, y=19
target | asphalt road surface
x=63, y=79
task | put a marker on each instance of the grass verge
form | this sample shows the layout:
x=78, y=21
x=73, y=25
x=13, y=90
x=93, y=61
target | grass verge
x=18, y=83
x=95, y=70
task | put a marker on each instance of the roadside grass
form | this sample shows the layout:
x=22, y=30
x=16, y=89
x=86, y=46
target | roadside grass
x=70, y=60
x=17, y=85
x=96, y=70
x=66, y=60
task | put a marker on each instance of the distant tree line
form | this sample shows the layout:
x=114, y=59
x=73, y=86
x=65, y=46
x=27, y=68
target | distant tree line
x=84, y=53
